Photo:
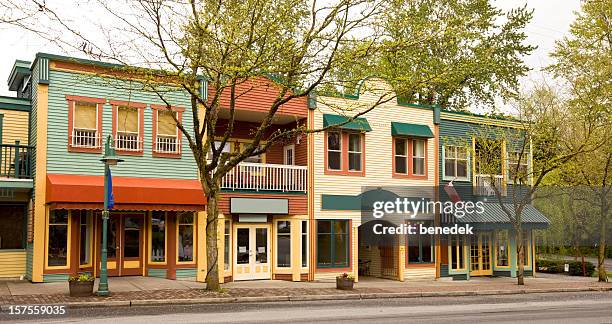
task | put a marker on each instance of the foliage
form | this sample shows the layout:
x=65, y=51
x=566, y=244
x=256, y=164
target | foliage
x=347, y=276
x=83, y=277
x=558, y=266
x=455, y=53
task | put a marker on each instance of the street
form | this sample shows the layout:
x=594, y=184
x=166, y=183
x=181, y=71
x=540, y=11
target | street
x=585, y=307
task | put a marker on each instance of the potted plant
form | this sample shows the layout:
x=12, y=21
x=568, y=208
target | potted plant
x=345, y=281
x=81, y=285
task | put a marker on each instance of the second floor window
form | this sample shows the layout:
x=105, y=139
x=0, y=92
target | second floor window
x=334, y=151
x=167, y=139
x=517, y=167
x=128, y=129
x=409, y=157
x=85, y=125
x=354, y=152
x=345, y=153
x=455, y=162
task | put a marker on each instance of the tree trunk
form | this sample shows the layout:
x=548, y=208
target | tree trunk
x=212, y=215
x=520, y=276
x=603, y=275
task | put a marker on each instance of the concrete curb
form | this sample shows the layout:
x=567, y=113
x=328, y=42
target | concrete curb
x=350, y=296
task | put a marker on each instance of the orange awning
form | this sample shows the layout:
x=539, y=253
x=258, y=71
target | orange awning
x=68, y=191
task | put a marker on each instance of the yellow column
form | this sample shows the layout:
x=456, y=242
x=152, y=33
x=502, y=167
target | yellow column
x=40, y=211
x=296, y=251
x=401, y=261
x=201, y=257
x=220, y=244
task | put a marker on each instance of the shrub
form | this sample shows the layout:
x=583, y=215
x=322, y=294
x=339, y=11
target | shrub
x=575, y=268
x=558, y=266
x=82, y=277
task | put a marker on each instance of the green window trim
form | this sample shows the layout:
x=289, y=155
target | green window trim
x=359, y=123
x=334, y=264
x=411, y=130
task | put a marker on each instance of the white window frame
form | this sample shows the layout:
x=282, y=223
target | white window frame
x=360, y=152
x=405, y=157
x=74, y=128
x=139, y=140
x=302, y=247
x=468, y=164
x=524, y=161
x=424, y=157
x=286, y=150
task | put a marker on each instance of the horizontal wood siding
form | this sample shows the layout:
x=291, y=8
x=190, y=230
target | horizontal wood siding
x=59, y=160
x=186, y=273
x=420, y=273
x=14, y=126
x=60, y=277
x=298, y=204
x=12, y=263
x=157, y=273
x=258, y=94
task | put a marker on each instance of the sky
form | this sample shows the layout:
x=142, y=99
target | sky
x=551, y=22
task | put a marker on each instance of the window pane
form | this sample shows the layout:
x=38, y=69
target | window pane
x=450, y=152
x=462, y=168
x=165, y=123
x=401, y=164
x=158, y=237
x=449, y=167
x=226, y=246
x=84, y=239
x=111, y=239
x=341, y=227
x=418, y=166
x=12, y=222
x=354, y=161
x=400, y=146
x=324, y=250
x=131, y=244
x=333, y=160
x=85, y=115
x=283, y=252
x=261, y=242
x=418, y=148
x=461, y=153
x=341, y=244
x=354, y=143
x=304, y=243
x=185, y=242
x=58, y=238
x=127, y=119
x=242, y=246
x=324, y=226
x=502, y=248
x=333, y=141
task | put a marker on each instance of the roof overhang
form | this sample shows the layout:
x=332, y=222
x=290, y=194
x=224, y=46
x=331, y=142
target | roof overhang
x=20, y=70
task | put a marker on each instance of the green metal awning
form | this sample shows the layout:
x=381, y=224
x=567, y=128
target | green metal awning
x=359, y=123
x=494, y=216
x=412, y=130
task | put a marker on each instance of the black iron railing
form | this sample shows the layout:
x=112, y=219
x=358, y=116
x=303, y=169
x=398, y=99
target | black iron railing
x=15, y=161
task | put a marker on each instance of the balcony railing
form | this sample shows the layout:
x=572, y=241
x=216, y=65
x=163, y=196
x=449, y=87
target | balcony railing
x=266, y=177
x=484, y=184
x=15, y=161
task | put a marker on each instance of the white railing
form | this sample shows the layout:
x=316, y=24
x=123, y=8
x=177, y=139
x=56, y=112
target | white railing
x=167, y=144
x=266, y=177
x=85, y=138
x=484, y=184
x=127, y=142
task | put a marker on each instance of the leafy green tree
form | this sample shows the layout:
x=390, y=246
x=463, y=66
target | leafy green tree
x=582, y=61
x=454, y=53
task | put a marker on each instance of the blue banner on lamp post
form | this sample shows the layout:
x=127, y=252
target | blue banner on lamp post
x=111, y=197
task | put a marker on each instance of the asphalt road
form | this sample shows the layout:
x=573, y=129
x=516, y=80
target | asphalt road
x=588, y=307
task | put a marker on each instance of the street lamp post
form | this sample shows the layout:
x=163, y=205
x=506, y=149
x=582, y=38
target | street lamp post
x=109, y=158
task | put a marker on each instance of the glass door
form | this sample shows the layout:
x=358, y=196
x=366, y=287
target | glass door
x=252, y=254
x=480, y=254
x=131, y=248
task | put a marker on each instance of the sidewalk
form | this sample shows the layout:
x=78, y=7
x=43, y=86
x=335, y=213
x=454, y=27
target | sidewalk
x=132, y=291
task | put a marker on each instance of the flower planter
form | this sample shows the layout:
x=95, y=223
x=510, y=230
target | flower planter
x=344, y=283
x=81, y=288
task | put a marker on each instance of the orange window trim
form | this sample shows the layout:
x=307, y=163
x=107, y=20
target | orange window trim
x=179, y=116
x=141, y=107
x=409, y=156
x=344, y=156
x=99, y=106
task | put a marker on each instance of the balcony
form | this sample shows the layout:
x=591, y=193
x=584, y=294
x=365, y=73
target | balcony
x=266, y=177
x=483, y=185
x=15, y=161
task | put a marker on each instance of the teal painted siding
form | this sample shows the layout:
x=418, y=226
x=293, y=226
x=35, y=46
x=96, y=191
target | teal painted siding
x=59, y=160
x=185, y=273
x=158, y=273
x=61, y=277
